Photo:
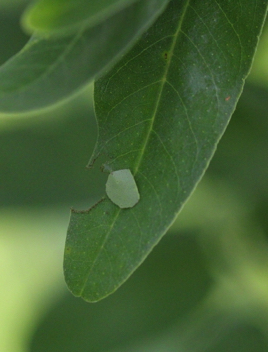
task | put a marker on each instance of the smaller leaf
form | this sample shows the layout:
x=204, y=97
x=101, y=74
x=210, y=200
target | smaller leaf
x=50, y=69
x=121, y=188
x=61, y=16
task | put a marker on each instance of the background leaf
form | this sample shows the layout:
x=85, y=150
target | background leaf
x=6, y=5
x=48, y=70
x=161, y=112
x=61, y=16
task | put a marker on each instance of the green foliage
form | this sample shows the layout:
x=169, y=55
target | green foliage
x=50, y=68
x=203, y=288
x=168, y=78
x=161, y=112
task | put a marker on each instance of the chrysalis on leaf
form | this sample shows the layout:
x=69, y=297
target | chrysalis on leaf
x=121, y=188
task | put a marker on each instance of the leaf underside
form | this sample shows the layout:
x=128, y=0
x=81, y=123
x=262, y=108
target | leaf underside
x=161, y=112
x=49, y=69
x=61, y=16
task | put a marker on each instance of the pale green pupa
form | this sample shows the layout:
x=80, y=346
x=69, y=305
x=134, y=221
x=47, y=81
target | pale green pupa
x=122, y=189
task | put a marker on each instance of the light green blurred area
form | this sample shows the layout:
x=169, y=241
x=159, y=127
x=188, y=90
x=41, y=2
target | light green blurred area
x=31, y=280
x=204, y=288
x=259, y=72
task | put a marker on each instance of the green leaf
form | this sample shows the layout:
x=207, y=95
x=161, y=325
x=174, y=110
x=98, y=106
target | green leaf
x=161, y=112
x=49, y=69
x=61, y=16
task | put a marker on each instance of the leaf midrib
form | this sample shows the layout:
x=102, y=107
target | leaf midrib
x=99, y=252
x=161, y=88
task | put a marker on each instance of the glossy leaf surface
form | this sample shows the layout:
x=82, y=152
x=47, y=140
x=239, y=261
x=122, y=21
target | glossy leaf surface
x=49, y=69
x=61, y=16
x=161, y=112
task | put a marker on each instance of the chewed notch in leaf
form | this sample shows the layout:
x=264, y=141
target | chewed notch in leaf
x=122, y=189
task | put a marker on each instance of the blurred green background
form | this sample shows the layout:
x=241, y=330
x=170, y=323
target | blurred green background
x=204, y=288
